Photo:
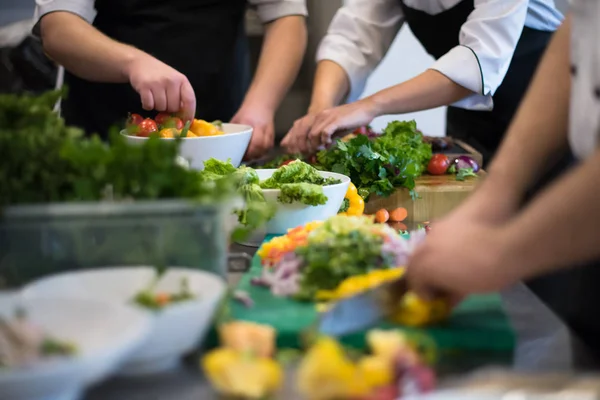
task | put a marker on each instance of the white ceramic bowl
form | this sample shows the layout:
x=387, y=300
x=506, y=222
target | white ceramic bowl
x=292, y=215
x=176, y=330
x=232, y=145
x=105, y=334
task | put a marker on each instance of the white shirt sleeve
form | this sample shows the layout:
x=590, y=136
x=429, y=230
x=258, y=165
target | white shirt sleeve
x=84, y=8
x=487, y=42
x=270, y=10
x=359, y=36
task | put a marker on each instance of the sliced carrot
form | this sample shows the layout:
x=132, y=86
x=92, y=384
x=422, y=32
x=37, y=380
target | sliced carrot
x=382, y=216
x=163, y=299
x=399, y=214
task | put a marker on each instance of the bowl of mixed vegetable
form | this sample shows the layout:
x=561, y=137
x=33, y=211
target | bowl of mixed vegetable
x=283, y=198
x=52, y=348
x=201, y=139
x=179, y=301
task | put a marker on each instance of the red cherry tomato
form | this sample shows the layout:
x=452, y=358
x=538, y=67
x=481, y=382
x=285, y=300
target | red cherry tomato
x=162, y=118
x=147, y=126
x=363, y=130
x=134, y=119
x=438, y=165
x=286, y=162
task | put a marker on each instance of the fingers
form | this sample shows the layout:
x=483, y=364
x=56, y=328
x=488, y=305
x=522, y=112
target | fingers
x=147, y=99
x=295, y=140
x=188, y=101
x=160, y=98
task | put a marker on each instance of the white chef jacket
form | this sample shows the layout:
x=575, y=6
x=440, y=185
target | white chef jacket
x=584, y=116
x=363, y=30
x=268, y=10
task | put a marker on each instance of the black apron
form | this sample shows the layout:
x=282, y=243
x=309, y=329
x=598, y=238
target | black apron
x=203, y=39
x=483, y=130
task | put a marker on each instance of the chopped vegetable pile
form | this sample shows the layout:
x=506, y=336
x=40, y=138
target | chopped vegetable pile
x=42, y=160
x=22, y=343
x=322, y=255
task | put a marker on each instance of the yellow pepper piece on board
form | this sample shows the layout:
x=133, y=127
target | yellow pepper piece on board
x=236, y=374
x=376, y=371
x=248, y=337
x=414, y=311
x=360, y=283
x=386, y=343
x=325, y=373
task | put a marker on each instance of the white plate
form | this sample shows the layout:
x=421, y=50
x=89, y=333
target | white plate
x=176, y=330
x=105, y=335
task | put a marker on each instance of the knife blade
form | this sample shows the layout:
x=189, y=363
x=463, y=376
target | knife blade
x=364, y=310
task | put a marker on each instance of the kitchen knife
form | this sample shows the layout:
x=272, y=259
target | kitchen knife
x=362, y=311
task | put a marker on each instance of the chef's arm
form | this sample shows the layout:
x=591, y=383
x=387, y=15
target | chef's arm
x=83, y=50
x=538, y=132
x=431, y=89
x=468, y=75
x=330, y=87
x=280, y=59
x=559, y=228
x=358, y=38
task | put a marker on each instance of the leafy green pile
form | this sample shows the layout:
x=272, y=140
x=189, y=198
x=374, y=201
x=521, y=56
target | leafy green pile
x=43, y=160
x=337, y=250
x=380, y=165
x=256, y=211
x=298, y=183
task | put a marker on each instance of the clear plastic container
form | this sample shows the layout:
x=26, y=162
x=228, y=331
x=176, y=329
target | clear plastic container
x=40, y=240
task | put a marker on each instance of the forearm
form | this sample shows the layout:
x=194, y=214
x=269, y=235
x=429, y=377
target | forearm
x=84, y=51
x=538, y=132
x=559, y=228
x=330, y=87
x=430, y=89
x=280, y=60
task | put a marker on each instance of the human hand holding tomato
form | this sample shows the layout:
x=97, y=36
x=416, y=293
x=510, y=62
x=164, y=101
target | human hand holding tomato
x=161, y=87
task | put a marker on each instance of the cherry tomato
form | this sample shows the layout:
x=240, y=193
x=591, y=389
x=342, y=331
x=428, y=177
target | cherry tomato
x=363, y=130
x=147, y=126
x=438, y=165
x=134, y=119
x=178, y=122
x=286, y=162
x=162, y=118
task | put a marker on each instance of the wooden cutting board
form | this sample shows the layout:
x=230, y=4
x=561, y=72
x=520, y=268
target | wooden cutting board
x=438, y=196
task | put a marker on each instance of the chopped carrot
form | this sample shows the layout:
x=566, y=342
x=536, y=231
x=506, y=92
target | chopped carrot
x=382, y=216
x=163, y=299
x=399, y=214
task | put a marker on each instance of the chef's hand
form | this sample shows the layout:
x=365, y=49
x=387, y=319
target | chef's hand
x=263, y=134
x=316, y=131
x=458, y=260
x=161, y=87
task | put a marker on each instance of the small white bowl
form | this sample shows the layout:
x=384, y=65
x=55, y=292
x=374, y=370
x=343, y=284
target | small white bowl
x=232, y=145
x=176, y=330
x=292, y=215
x=105, y=334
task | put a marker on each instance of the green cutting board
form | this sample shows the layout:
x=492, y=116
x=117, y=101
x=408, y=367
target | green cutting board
x=478, y=325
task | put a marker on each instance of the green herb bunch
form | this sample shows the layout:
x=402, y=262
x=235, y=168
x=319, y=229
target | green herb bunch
x=42, y=160
x=380, y=165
